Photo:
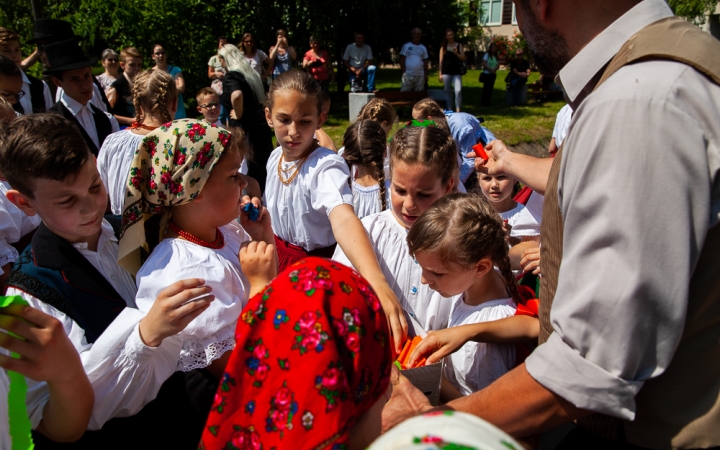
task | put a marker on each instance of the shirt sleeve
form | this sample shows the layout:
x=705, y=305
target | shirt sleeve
x=262, y=56
x=369, y=53
x=466, y=142
x=425, y=53
x=346, y=55
x=113, y=123
x=124, y=372
x=403, y=50
x=630, y=245
x=330, y=185
x=48, y=97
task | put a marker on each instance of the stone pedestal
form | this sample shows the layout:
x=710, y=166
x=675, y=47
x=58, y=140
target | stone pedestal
x=356, y=102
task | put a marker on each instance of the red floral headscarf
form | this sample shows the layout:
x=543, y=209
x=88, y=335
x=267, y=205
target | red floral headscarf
x=311, y=357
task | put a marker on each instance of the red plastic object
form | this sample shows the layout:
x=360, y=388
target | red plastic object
x=480, y=151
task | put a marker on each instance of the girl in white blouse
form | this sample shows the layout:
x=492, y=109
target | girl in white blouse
x=423, y=168
x=186, y=174
x=523, y=222
x=308, y=195
x=155, y=100
x=365, y=156
x=460, y=244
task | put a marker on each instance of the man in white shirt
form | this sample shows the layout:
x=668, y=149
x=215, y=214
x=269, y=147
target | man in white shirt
x=414, y=63
x=632, y=331
x=70, y=71
x=358, y=60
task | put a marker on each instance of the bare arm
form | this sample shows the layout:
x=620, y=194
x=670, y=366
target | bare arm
x=236, y=99
x=30, y=60
x=442, y=55
x=124, y=120
x=460, y=53
x=211, y=72
x=402, y=64
x=353, y=240
x=518, y=251
x=180, y=83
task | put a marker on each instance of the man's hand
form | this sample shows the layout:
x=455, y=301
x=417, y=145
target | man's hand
x=497, y=152
x=405, y=402
x=175, y=307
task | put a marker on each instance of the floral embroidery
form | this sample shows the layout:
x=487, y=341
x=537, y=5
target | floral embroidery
x=244, y=439
x=152, y=142
x=203, y=157
x=219, y=403
x=180, y=154
x=441, y=443
x=226, y=382
x=251, y=317
x=250, y=407
x=307, y=420
x=332, y=385
x=310, y=280
x=311, y=334
x=168, y=149
x=284, y=364
x=135, y=179
x=350, y=328
x=283, y=408
x=256, y=367
x=195, y=132
x=346, y=288
x=281, y=317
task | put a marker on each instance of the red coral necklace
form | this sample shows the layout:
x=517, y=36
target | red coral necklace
x=218, y=243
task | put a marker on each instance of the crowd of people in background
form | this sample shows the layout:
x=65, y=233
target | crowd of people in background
x=176, y=282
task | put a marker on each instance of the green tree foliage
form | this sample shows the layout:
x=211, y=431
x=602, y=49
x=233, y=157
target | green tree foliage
x=693, y=10
x=189, y=28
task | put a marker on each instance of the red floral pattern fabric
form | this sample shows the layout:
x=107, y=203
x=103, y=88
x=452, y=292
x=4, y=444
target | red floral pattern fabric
x=312, y=355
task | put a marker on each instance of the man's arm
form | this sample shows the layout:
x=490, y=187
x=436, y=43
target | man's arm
x=529, y=170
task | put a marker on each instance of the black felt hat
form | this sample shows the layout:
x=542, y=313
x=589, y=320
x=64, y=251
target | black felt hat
x=52, y=30
x=66, y=55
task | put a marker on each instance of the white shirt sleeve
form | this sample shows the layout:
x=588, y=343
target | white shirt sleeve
x=48, y=96
x=125, y=373
x=114, y=125
x=329, y=185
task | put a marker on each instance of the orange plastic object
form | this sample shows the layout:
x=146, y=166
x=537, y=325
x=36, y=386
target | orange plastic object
x=480, y=151
x=407, y=351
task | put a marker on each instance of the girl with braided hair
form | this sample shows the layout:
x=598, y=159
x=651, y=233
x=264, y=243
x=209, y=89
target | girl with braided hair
x=365, y=156
x=155, y=100
x=423, y=169
x=460, y=244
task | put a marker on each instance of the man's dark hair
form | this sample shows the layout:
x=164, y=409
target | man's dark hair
x=41, y=146
x=8, y=68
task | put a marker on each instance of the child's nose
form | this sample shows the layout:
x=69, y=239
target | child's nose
x=242, y=181
x=292, y=129
x=424, y=280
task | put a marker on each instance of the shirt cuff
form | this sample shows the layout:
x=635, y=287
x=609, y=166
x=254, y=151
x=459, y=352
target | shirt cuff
x=562, y=370
x=136, y=349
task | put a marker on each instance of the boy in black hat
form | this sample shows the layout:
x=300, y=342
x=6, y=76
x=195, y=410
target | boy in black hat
x=36, y=93
x=70, y=71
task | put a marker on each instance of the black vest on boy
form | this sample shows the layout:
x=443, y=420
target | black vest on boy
x=37, y=95
x=102, y=124
x=54, y=272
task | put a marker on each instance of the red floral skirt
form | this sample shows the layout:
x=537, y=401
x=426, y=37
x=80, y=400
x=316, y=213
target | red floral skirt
x=289, y=253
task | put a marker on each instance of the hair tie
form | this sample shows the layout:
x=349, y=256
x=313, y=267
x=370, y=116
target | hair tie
x=421, y=123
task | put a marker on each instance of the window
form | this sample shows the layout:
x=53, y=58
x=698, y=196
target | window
x=514, y=19
x=491, y=13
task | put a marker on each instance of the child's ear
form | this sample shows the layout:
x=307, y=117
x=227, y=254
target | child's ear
x=21, y=201
x=323, y=118
x=199, y=109
x=268, y=117
x=483, y=267
x=450, y=185
x=56, y=81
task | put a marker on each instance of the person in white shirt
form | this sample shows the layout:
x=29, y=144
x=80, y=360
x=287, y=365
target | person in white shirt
x=37, y=97
x=358, y=60
x=414, y=63
x=561, y=128
x=423, y=169
x=70, y=70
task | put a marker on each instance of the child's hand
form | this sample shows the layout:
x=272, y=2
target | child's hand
x=530, y=261
x=393, y=313
x=261, y=228
x=46, y=353
x=438, y=344
x=258, y=263
x=175, y=307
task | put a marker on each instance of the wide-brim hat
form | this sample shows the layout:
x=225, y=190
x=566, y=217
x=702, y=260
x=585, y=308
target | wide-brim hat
x=66, y=55
x=52, y=30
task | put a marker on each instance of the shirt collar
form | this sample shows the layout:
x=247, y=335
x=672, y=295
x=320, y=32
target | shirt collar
x=584, y=67
x=73, y=105
x=106, y=235
x=25, y=78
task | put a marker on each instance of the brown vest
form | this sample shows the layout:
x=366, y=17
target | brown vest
x=681, y=407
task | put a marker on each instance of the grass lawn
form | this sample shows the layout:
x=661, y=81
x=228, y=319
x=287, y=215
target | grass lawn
x=514, y=125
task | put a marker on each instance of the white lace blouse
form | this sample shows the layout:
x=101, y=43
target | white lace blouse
x=300, y=211
x=402, y=272
x=477, y=364
x=113, y=163
x=212, y=333
x=14, y=224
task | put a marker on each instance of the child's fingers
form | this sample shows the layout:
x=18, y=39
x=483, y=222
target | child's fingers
x=178, y=300
x=17, y=345
x=398, y=333
x=16, y=365
x=180, y=286
x=426, y=345
x=18, y=326
x=189, y=310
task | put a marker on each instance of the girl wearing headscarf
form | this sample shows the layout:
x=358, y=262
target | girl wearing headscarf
x=311, y=366
x=185, y=178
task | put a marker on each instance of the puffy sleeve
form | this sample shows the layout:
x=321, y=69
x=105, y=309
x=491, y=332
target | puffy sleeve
x=124, y=372
x=329, y=184
x=211, y=334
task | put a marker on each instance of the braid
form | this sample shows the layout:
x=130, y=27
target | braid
x=153, y=90
x=383, y=189
x=506, y=271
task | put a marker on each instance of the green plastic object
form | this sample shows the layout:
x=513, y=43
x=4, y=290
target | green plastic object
x=19, y=422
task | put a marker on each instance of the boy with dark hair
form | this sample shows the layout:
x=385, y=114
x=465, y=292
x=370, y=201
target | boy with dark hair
x=70, y=70
x=70, y=272
x=11, y=83
x=120, y=92
x=37, y=96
